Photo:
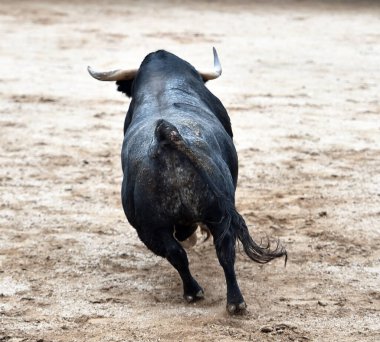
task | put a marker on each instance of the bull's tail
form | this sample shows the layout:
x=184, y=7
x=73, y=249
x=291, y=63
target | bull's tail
x=166, y=133
x=260, y=254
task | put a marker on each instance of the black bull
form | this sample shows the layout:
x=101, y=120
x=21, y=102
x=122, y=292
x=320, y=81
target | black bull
x=180, y=168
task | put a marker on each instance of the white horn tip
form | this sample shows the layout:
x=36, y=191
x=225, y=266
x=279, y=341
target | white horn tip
x=217, y=65
x=92, y=72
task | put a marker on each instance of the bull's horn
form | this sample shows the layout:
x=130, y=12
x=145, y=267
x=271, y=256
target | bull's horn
x=211, y=75
x=114, y=75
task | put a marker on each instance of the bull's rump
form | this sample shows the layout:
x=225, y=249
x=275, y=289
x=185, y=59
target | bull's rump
x=163, y=185
x=177, y=192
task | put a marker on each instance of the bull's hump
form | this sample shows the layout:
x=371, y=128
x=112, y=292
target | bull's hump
x=156, y=85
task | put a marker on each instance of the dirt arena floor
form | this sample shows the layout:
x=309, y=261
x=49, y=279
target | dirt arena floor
x=301, y=83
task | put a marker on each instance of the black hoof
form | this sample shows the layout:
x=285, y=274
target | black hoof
x=194, y=297
x=237, y=309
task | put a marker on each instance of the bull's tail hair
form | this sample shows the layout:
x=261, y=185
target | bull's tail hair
x=167, y=133
x=258, y=253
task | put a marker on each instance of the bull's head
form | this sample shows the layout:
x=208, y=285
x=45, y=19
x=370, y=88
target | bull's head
x=125, y=77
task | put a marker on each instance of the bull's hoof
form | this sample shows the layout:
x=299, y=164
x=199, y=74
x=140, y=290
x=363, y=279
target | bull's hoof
x=237, y=309
x=193, y=298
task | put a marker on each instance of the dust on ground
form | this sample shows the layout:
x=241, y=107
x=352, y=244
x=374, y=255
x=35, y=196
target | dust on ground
x=301, y=83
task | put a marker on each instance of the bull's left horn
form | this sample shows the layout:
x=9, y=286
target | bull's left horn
x=114, y=75
x=211, y=75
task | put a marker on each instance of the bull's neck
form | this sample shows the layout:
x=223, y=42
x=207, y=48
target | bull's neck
x=165, y=91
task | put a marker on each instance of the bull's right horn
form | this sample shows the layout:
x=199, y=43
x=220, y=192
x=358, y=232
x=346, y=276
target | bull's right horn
x=211, y=75
x=114, y=75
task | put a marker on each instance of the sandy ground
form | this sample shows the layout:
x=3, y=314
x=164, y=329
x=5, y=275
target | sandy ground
x=301, y=83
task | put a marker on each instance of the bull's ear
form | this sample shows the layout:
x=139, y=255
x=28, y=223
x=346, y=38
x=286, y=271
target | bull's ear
x=125, y=86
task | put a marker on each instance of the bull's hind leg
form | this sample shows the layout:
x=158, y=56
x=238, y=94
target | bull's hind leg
x=225, y=241
x=162, y=243
x=177, y=256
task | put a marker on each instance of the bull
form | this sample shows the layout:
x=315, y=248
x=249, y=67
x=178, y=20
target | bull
x=180, y=168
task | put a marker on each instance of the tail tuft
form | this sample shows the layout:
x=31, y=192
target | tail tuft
x=258, y=253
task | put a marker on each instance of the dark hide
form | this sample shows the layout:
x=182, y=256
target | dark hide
x=180, y=169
